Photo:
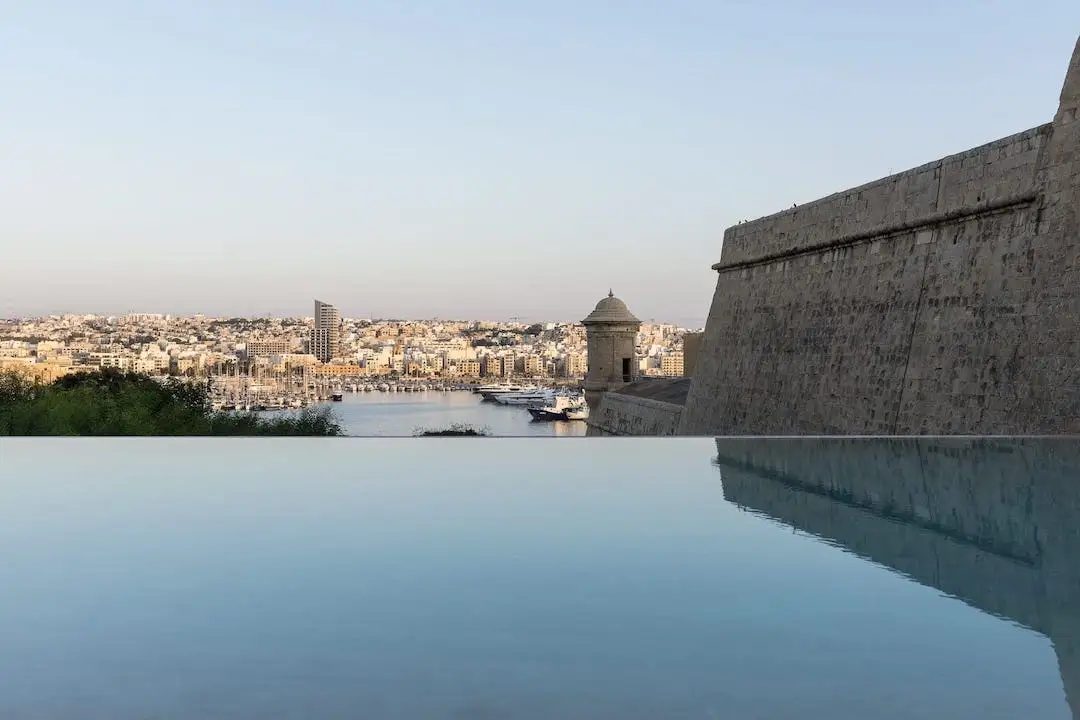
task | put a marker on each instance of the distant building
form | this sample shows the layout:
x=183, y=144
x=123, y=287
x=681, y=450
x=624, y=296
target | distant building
x=288, y=361
x=497, y=365
x=671, y=364
x=532, y=365
x=107, y=360
x=577, y=364
x=145, y=318
x=490, y=366
x=326, y=335
x=469, y=368
x=343, y=370
x=42, y=372
x=266, y=348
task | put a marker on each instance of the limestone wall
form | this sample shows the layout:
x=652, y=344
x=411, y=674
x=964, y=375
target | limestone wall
x=944, y=299
x=650, y=406
x=995, y=172
x=628, y=415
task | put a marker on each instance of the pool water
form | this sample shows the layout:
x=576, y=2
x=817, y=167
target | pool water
x=538, y=578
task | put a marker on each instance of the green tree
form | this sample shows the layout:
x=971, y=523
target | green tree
x=110, y=402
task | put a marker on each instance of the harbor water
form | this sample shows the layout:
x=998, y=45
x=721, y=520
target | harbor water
x=389, y=414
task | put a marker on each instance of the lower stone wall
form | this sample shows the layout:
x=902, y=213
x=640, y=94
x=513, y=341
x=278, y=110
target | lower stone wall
x=621, y=414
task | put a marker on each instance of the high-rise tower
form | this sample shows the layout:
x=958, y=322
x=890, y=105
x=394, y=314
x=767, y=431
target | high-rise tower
x=326, y=335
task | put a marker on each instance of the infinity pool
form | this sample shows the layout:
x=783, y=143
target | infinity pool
x=539, y=578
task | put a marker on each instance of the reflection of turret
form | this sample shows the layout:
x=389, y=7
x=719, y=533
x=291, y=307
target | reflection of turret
x=995, y=523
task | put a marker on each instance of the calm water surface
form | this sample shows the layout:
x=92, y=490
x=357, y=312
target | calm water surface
x=402, y=414
x=532, y=578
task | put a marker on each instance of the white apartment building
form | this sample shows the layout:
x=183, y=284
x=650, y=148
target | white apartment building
x=107, y=360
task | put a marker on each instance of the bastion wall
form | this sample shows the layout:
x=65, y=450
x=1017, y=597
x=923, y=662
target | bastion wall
x=940, y=300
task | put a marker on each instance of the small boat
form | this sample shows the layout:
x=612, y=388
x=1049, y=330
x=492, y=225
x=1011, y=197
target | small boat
x=336, y=397
x=577, y=412
x=546, y=414
x=553, y=412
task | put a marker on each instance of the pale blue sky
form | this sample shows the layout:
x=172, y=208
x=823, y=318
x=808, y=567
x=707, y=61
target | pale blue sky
x=479, y=158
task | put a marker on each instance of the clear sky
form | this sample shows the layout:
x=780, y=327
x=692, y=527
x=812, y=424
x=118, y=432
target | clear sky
x=468, y=158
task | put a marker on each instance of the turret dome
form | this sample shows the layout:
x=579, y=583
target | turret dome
x=610, y=310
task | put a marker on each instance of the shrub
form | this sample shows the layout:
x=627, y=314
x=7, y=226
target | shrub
x=455, y=430
x=110, y=402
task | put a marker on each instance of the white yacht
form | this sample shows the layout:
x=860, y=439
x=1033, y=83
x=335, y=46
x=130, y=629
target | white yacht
x=527, y=397
x=493, y=392
x=481, y=389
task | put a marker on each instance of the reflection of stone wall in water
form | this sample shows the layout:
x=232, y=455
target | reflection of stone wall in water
x=945, y=299
x=995, y=523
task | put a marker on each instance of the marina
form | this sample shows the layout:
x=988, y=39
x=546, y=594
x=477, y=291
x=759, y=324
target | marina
x=405, y=408
x=255, y=393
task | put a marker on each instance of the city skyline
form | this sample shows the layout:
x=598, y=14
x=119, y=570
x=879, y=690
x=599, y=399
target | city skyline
x=468, y=159
x=350, y=317
x=328, y=345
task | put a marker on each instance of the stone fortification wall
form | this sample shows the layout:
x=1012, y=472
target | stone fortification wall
x=996, y=173
x=648, y=407
x=628, y=415
x=944, y=299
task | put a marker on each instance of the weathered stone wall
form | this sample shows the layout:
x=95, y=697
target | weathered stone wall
x=628, y=415
x=648, y=407
x=945, y=299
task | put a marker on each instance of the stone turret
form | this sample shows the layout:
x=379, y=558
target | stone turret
x=612, y=331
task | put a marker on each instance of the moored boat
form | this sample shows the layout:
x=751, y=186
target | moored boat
x=540, y=414
x=578, y=412
x=557, y=410
x=535, y=397
x=493, y=393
